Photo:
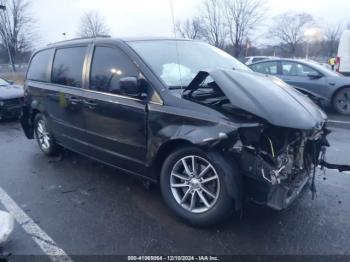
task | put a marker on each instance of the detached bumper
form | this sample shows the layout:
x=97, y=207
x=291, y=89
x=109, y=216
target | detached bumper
x=282, y=196
x=279, y=196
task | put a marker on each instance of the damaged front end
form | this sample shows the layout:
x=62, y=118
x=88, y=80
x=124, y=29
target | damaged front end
x=278, y=162
x=279, y=155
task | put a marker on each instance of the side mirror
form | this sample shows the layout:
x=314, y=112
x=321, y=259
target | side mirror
x=314, y=75
x=11, y=82
x=130, y=86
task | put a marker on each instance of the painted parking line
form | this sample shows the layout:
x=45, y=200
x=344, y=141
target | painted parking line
x=43, y=240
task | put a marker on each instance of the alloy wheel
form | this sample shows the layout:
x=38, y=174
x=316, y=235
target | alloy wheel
x=342, y=101
x=195, y=184
x=43, y=135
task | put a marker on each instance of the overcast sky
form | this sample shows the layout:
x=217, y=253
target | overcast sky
x=153, y=17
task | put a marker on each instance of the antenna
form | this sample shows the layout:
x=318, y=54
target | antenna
x=176, y=44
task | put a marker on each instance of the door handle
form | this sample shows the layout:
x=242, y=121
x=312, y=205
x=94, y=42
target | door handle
x=74, y=100
x=90, y=104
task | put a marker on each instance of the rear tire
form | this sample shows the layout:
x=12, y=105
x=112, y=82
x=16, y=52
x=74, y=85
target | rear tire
x=44, y=136
x=341, y=101
x=201, y=199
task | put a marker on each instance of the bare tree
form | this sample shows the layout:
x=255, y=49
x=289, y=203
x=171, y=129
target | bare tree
x=241, y=17
x=190, y=28
x=16, y=28
x=214, y=30
x=92, y=25
x=289, y=29
x=332, y=35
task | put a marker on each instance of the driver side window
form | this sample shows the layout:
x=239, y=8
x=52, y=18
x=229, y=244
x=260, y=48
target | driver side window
x=296, y=69
x=108, y=66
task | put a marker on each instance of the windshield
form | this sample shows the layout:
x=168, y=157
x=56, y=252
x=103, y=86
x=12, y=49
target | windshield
x=3, y=82
x=178, y=62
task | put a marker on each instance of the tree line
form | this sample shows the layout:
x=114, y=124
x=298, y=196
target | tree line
x=237, y=26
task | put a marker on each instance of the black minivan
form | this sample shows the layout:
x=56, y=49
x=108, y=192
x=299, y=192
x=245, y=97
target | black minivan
x=179, y=112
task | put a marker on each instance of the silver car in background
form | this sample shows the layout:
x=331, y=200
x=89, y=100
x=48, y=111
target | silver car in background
x=311, y=78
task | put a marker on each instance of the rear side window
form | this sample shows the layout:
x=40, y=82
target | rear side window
x=39, y=66
x=68, y=66
x=108, y=66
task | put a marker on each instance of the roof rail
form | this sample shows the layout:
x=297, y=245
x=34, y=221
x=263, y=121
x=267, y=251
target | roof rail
x=80, y=38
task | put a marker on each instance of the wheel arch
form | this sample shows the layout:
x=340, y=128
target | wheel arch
x=233, y=179
x=165, y=150
x=337, y=91
x=27, y=121
x=335, y=95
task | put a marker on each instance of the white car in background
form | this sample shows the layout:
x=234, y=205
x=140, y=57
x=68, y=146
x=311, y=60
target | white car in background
x=343, y=58
x=253, y=59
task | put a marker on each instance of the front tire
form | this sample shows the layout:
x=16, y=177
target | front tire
x=44, y=136
x=341, y=101
x=193, y=186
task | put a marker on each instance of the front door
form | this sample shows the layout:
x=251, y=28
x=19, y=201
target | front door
x=115, y=123
x=296, y=74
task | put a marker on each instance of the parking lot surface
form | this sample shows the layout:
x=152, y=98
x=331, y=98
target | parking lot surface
x=88, y=208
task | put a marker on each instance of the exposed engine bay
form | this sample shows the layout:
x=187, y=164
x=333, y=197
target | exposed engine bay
x=283, y=150
x=286, y=159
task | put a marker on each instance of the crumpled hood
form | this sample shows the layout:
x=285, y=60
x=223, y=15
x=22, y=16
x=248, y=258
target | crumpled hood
x=10, y=91
x=266, y=97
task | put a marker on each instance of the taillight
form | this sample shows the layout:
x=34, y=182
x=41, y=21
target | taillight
x=337, y=64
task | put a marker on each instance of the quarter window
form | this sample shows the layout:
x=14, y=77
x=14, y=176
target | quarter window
x=108, y=66
x=270, y=68
x=296, y=69
x=68, y=66
x=39, y=66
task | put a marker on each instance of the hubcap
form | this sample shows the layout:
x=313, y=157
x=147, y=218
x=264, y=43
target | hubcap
x=195, y=184
x=343, y=101
x=43, y=135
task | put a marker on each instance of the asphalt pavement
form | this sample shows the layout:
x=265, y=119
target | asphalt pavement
x=86, y=208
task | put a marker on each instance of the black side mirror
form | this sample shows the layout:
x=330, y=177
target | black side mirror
x=130, y=86
x=314, y=75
